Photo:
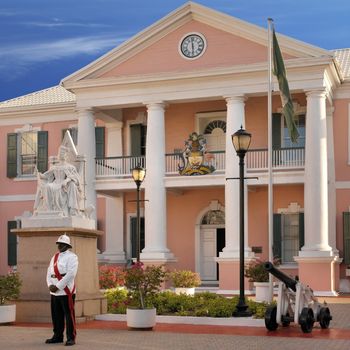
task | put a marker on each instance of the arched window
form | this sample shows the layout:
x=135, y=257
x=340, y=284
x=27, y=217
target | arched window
x=213, y=217
x=215, y=124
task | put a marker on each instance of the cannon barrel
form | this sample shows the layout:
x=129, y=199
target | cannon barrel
x=288, y=281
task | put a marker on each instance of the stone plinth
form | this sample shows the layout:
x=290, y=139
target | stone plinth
x=36, y=246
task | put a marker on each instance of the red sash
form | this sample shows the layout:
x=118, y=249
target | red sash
x=68, y=292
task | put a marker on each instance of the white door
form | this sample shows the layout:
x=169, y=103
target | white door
x=208, y=254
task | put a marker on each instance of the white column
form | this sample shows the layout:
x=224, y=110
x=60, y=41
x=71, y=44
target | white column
x=234, y=120
x=316, y=178
x=155, y=194
x=114, y=234
x=87, y=148
x=114, y=252
x=332, y=204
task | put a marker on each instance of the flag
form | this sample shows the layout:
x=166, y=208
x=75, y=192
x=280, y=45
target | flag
x=287, y=104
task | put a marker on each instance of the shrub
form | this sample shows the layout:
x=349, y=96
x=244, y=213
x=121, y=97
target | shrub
x=117, y=300
x=256, y=272
x=143, y=283
x=111, y=276
x=185, y=279
x=168, y=303
x=10, y=285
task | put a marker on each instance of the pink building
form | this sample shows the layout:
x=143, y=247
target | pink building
x=196, y=70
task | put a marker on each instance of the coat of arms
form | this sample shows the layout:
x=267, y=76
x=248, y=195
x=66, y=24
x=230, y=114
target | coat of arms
x=195, y=158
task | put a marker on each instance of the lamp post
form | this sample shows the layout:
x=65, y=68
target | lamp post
x=138, y=174
x=241, y=142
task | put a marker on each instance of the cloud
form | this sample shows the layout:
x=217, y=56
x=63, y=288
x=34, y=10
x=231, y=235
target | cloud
x=58, y=23
x=17, y=59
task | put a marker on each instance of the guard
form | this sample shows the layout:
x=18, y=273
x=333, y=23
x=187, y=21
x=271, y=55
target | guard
x=60, y=281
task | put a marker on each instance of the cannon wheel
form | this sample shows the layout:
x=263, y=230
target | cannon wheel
x=324, y=317
x=270, y=318
x=306, y=320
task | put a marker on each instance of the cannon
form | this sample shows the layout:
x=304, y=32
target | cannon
x=295, y=303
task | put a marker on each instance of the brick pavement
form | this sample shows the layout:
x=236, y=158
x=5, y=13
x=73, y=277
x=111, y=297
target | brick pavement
x=103, y=335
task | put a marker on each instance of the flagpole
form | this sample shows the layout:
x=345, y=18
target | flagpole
x=270, y=153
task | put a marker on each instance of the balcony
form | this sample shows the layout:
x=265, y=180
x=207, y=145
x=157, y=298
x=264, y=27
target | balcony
x=284, y=159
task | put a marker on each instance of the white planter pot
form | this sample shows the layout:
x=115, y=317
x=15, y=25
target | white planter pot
x=7, y=313
x=262, y=291
x=188, y=291
x=141, y=318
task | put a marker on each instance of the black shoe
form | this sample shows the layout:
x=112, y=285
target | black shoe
x=53, y=340
x=69, y=343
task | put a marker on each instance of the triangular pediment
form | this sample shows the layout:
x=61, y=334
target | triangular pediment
x=230, y=42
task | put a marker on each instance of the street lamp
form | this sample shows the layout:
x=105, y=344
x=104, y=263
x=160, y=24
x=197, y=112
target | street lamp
x=138, y=174
x=241, y=142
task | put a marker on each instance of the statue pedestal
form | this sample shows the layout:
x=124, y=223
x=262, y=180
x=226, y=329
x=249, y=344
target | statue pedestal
x=36, y=247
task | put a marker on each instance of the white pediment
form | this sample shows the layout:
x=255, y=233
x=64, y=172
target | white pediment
x=183, y=15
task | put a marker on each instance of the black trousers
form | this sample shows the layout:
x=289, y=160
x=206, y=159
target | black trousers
x=61, y=315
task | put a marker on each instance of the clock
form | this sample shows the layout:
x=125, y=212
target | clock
x=192, y=45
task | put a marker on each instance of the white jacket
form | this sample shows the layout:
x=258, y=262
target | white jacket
x=67, y=264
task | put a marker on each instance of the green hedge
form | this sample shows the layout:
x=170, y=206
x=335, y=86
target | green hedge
x=168, y=303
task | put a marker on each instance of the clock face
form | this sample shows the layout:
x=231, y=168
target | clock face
x=192, y=45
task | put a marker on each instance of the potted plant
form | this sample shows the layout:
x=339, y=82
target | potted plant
x=257, y=274
x=185, y=281
x=142, y=284
x=9, y=290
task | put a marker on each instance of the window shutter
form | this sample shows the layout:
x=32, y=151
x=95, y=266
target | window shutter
x=276, y=130
x=133, y=230
x=11, y=244
x=301, y=230
x=100, y=141
x=42, y=151
x=135, y=139
x=277, y=236
x=11, y=155
x=346, y=234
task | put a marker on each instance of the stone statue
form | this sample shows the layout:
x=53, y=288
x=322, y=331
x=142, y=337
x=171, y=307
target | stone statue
x=60, y=189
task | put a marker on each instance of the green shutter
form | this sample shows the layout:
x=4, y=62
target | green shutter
x=11, y=244
x=42, y=151
x=100, y=141
x=133, y=230
x=276, y=130
x=277, y=236
x=346, y=235
x=135, y=137
x=301, y=230
x=63, y=133
x=11, y=155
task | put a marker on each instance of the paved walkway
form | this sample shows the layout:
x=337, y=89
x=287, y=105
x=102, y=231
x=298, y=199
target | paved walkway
x=105, y=335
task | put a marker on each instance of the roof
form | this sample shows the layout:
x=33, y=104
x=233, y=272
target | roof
x=52, y=95
x=343, y=58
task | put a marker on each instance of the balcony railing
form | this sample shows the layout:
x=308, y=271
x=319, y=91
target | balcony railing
x=256, y=160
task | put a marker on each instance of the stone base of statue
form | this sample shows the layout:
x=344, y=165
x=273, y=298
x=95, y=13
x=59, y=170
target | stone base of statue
x=57, y=219
x=36, y=246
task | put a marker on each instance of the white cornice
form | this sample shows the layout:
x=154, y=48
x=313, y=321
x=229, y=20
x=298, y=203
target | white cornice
x=343, y=91
x=37, y=114
x=220, y=71
x=177, y=18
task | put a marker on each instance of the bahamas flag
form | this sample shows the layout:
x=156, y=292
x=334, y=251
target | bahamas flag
x=287, y=104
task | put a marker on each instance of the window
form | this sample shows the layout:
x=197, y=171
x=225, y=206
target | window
x=28, y=145
x=99, y=139
x=138, y=134
x=25, y=151
x=288, y=236
x=300, y=123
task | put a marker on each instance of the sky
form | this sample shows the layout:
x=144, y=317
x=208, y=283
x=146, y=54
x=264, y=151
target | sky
x=43, y=41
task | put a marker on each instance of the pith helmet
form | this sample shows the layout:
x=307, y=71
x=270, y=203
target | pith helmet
x=64, y=239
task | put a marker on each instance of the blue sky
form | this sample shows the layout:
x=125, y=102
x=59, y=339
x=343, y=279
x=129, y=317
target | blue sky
x=44, y=41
